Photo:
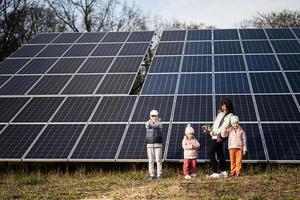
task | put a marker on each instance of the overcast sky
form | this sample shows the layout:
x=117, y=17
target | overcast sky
x=221, y=13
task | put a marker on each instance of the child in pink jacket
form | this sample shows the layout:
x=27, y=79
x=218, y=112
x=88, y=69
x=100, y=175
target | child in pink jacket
x=190, y=146
x=237, y=145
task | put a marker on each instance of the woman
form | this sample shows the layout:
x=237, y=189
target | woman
x=222, y=121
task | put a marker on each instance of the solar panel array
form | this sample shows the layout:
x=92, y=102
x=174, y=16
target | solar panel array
x=65, y=96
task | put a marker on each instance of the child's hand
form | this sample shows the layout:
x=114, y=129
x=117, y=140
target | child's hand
x=244, y=152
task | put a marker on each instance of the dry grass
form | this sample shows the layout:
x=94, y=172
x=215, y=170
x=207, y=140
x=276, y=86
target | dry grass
x=281, y=182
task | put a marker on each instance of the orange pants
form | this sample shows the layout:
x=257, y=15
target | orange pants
x=236, y=157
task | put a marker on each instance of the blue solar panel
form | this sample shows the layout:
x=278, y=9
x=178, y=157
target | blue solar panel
x=290, y=62
x=134, y=49
x=91, y=37
x=229, y=63
x=28, y=51
x=262, y=63
x=116, y=84
x=195, y=84
x=160, y=84
x=286, y=46
x=294, y=80
x=96, y=65
x=198, y=48
x=197, y=64
x=268, y=83
x=67, y=38
x=66, y=65
x=297, y=32
x=170, y=48
x=165, y=64
x=83, y=84
x=11, y=66
x=143, y=36
x=115, y=37
x=126, y=64
x=38, y=66
x=227, y=47
x=173, y=36
x=18, y=85
x=43, y=38
x=247, y=34
x=226, y=34
x=107, y=49
x=199, y=35
x=9, y=107
x=257, y=47
x=3, y=79
x=53, y=51
x=193, y=109
x=80, y=50
x=232, y=83
x=282, y=33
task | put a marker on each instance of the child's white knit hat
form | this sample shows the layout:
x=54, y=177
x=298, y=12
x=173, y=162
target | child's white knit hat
x=189, y=129
x=234, y=119
x=154, y=112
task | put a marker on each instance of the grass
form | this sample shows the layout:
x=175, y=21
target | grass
x=279, y=182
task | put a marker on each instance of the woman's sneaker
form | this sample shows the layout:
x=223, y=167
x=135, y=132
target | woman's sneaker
x=215, y=175
x=224, y=174
x=193, y=175
x=150, y=178
x=187, y=176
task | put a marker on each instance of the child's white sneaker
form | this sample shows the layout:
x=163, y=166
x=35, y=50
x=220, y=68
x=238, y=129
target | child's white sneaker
x=215, y=175
x=224, y=174
x=187, y=176
x=193, y=175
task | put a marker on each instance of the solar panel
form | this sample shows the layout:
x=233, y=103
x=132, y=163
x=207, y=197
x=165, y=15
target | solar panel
x=126, y=64
x=229, y=63
x=28, y=51
x=170, y=48
x=277, y=108
x=262, y=63
x=37, y=66
x=286, y=46
x=163, y=104
x=76, y=109
x=55, y=142
x=232, y=83
x=96, y=65
x=99, y=141
x=67, y=38
x=297, y=32
x=107, y=49
x=145, y=36
x=195, y=84
x=160, y=84
x=173, y=36
x=43, y=38
x=121, y=84
x=66, y=65
x=9, y=107
x=257, y=47
x=198, y=48
x=80, y=50
x=39, y=109
x=268, y=83
x=282, y=33
x=165, y=64
x=227, y=47
x=18, y=85
x=15, y=140
x=248, y=34
x=115, y=37
x=199, y=35
x=114, y=109
x=53, y=51
x=83, y=84
x=197, y=64
x=226, y=34
x=193, y=109
x=3, y=79
x=294, y=80
x=282, y=141
x=134, y=49
x=290, y=62
x=11, y=66
x=134, y=145
x=91, y=37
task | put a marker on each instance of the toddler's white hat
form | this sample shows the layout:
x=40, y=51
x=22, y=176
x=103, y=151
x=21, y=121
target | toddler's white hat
x=154, y=112
x=234, y=119
x=189, y=129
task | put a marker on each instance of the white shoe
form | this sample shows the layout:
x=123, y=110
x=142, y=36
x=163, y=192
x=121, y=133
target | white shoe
x=224, y=174
x=215, y=175
x=193, y=175
x=187, y=176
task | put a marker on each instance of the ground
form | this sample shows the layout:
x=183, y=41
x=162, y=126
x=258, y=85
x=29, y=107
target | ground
x=279, y=182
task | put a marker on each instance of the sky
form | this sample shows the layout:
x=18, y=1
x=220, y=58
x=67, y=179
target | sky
x=220, y=13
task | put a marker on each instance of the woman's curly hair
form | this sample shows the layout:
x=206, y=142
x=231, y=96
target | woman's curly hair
x=228, y=103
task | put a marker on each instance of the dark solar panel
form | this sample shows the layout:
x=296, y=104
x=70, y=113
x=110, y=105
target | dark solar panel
x=15, y=140
x=28, y=51
x=126, y=64
x=143, y=36
x=197, y=64
x=262, y=63
x=50, y=84
x=173, y=36
x=286, y=46
x=114, y=109
x=252, y=34
x=229, y=63
x=226, y=34
x=198, y=48
x=11, y=66
x=171, y=48
x=160, y=84
x=67, y=38
x=9, y=107
x=163, y=104
x=277, y=108
x=53, y=51
x=83, y=84
x=242, y=104
x=107, y=49
x=80, y=50
x=99, y=141
x=134, y=145
x=193, y=109
x=282, y=141
x=43, y=38
x=268, y=83
x=37, y=66
x=227, y=47
x=115, y=37
x=165, y=64
x=134, y=49
x=18, y=85
x=257, y=47
x=66, y=65
x=91, y=38
x=3, y=79
x=195, y=84
x=231, y=83
x=199, y=35
x=56, y=141
x=281, y=33
x=76, y=109
x=297, y=32
x=290, y=62
x=294, y=80
x=39, y=109
x=96, y=65
x=116, y=84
